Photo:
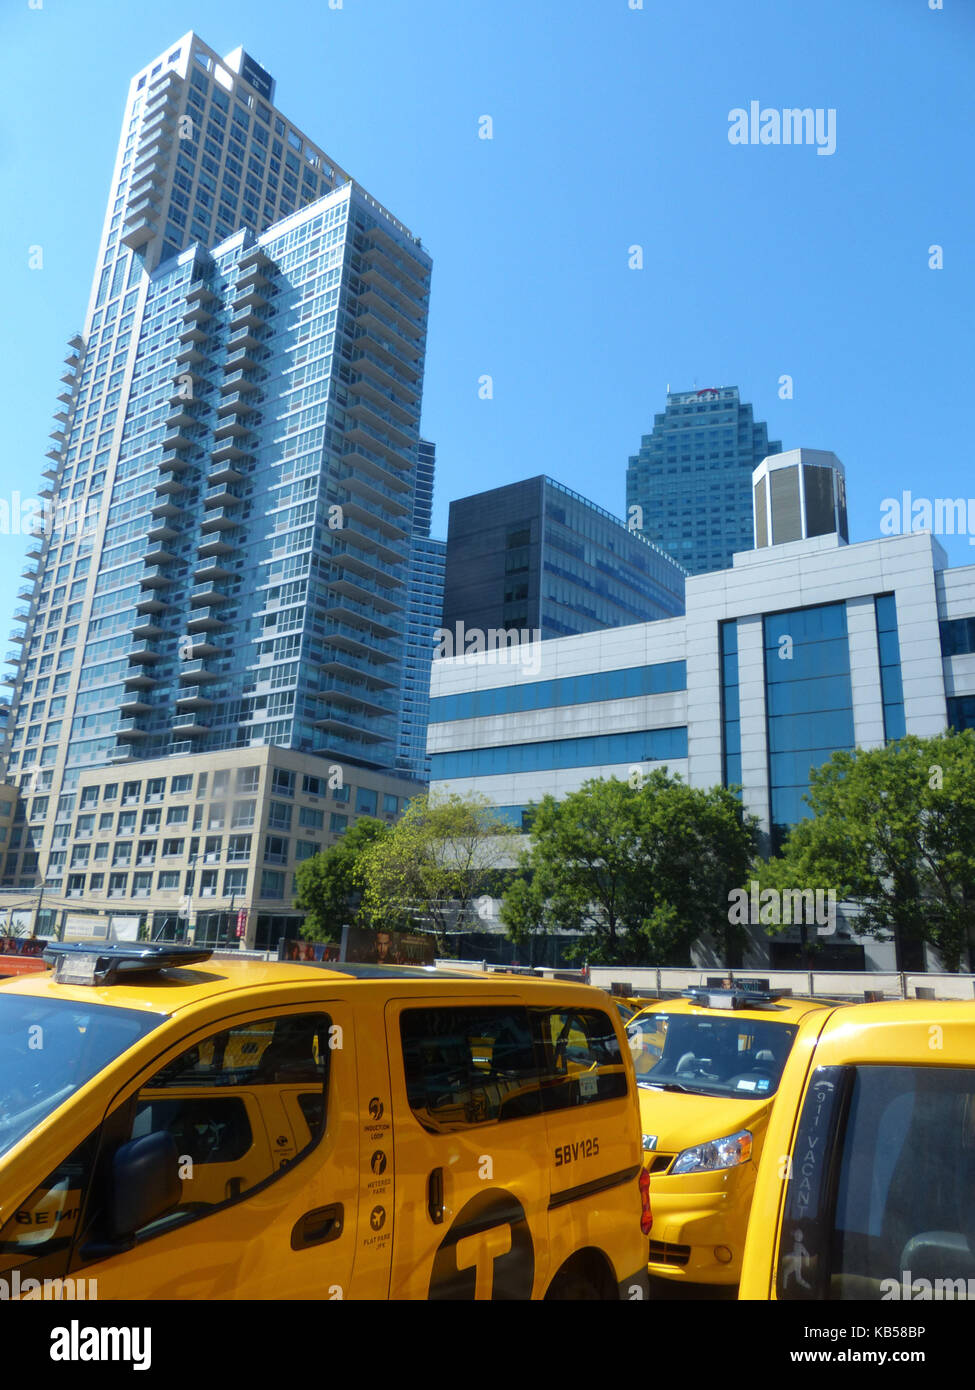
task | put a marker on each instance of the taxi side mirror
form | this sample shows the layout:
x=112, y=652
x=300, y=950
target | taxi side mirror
x=145, y=1183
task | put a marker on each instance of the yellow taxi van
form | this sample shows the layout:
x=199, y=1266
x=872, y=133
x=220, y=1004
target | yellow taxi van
x=866, y=1189
x=177, y=1127
x=708, y=1068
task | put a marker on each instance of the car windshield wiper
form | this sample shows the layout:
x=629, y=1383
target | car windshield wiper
x=667, y=1086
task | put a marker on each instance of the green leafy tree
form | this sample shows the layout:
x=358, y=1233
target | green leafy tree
x=893, y=830
x=639, y=871
x=440, y=857
x=326, y=886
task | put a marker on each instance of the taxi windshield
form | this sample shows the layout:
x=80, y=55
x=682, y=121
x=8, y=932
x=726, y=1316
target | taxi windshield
x=51, y=1047
x=710, y=1055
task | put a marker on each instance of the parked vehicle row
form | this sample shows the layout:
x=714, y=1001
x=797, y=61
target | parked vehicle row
x=173, y=1126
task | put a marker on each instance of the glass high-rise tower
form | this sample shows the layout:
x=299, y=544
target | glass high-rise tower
x=424, y=611
x=689, y=489
x=219, y=585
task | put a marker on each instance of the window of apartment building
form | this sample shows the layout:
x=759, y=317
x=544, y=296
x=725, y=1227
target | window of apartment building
x=182, y=783
x=234, y=881
x=126, y=823
x=311, y=819
x=313, y=786
x=122, y=853
x=84, y=826
x=201, y=784
x=151, y=820
x=101, y=852
x=238, y=848
x=177, y=815
x=147, y=852
x=304, y=849
x=172, y=849
x=89, y=796
x=217, y=817
x=337, y=823
x=208, y=883
x=282, y=782
x=141, y=885
x=341, y=793
x=248, y=779
x=118, y=885
x=155, y=788
x=390, y=804
x=275, y=849
x=110, y=791
x=168, y=880
x=243, y=814
x=131, y=793
x=221, y=782
x=365, y=802
x=272, y=884
x=212, y=848
x=106, y=820
x=96, y=883
x=279, y=815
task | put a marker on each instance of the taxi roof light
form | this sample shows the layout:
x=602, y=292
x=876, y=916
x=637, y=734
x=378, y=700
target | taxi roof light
x=731, y=998
x=78, y=963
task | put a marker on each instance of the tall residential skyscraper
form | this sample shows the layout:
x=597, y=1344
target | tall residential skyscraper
x=535, y=555
x=424, y=609
x=233, y=494
x=689, y=489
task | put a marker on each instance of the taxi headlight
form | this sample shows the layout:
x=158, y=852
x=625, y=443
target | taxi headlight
x=717, y=1153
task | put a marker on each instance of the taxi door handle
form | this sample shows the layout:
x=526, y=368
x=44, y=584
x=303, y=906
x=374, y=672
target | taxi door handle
x=435, y=1196
x=318, y=1226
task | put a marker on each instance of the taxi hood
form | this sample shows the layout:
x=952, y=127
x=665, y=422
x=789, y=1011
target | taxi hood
x=680, y=1120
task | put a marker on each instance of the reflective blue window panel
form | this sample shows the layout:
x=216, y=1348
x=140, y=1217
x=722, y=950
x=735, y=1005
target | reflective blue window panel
x=570, y=690
x=888, y=647
x=961, y=712
x=809, y=703
x=957, y=636
x=653, y=745
x=730, y=705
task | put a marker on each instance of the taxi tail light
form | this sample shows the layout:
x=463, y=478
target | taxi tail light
x=646, y=1216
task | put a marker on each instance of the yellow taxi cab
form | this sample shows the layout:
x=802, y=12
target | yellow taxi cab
x=175, y=1126
x=708, y=1067
x=866, y=1189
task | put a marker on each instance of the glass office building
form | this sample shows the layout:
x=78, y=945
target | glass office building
x=233, y=485
x=689, y=489
x=424, y=611
x=799, y=650
x=536, y=556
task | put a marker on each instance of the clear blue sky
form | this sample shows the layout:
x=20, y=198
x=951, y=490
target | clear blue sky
x=610, y=129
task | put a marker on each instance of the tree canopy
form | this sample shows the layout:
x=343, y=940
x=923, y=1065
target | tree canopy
x=440, y=857
x=893, y=829
x=639, y=871
x=327, y=887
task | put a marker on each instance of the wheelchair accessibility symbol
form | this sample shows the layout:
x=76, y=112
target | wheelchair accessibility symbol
x=487, y=1252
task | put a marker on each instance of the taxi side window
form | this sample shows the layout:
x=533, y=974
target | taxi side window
x=467, y=1066
x=37, y=1236
x=904, y=1207
x=582, y=1051
x=242, y=1106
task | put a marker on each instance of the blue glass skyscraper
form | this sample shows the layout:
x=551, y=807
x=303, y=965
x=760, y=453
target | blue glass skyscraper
x=233, y=486
x=689, y=488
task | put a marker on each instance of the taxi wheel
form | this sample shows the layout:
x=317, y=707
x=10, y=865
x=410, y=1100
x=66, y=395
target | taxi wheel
x=582, y=1279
